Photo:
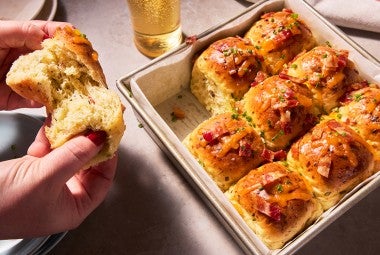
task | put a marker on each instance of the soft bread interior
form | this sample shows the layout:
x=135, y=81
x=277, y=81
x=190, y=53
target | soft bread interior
x=66, y=77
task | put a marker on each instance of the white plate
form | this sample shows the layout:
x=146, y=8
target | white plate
x=48, y=10
x=17, y=133
x=20, y=9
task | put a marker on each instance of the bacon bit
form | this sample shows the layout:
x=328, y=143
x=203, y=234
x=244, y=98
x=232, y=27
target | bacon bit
x=358, y=85
x=261, y=76
x=346, y=98
x=324, y=165
x=287, y=127
x=283, y=36
x=289, y=94
x=339, y=128
x=191, y=40
x=275, y=212
x=271, y=156
x=245, y=149
x=254, y=84
x=292, y=103
x=178, y=113
x=208, y=136
x=287, y=10
x=280, y=155
x=342, y=61
x=333, y=124
x=272, y=210
x=267, y=15
x=211, y=136
x=220, y=130
x=271, y=177
x=285, y=76
x=243, y=68
x=268, y=155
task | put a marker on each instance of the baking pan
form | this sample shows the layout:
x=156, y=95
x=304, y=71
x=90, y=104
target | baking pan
x=156, y=88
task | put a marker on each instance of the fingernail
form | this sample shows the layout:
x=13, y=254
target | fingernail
x=46, y=36
x=97, y=137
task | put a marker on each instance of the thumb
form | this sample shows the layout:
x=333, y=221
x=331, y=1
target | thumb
x=63, y=162
x=18, y=34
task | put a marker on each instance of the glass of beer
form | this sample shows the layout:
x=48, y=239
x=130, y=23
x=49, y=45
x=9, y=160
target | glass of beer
x=156, y=25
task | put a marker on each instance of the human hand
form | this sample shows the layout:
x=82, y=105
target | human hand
x=17, y=38
x=45, y=192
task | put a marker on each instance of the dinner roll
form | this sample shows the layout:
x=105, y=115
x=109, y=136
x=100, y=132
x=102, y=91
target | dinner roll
x=223, y=73
x=327, y=72
x=279, y=37
x=361, y=111
x=226, y=146
x=275, y=202
x=66, y=76
x=333, y=159
x=281, y=111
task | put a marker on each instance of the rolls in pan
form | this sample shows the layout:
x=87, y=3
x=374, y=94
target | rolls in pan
x=306, y=105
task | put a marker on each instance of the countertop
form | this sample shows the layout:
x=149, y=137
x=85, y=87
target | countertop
x=151, y=209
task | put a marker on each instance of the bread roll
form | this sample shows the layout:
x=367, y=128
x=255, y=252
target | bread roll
x=333, y=159
x=223, y=73
x=361, y=111
x=275, y=202
x=279, y=37
x=227, y=147
x=281, y=111
x=66, y=77
x=327, y=72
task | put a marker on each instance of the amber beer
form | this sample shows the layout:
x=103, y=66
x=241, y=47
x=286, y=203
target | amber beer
x=156, y=25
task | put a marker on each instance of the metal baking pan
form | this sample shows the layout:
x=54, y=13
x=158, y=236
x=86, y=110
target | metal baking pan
x=154, y=89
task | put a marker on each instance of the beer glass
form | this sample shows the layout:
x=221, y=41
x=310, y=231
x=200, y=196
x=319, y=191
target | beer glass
x=156, y=25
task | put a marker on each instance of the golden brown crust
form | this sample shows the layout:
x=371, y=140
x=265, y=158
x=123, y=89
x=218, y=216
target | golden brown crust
x=224, y=72
x=333, y=159
x=227, y=147
x=76, y=41
x=361, y=111
x=275, y=202
x=279, y=37
x=281, y=110
x=327, y=72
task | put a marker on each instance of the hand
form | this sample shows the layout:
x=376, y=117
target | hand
x=44, y=192
x=47, y=191
x=17, y=38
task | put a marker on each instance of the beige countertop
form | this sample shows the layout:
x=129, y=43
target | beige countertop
x=151, y=209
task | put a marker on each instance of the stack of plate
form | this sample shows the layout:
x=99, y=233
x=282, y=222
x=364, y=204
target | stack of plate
x=27, y=9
